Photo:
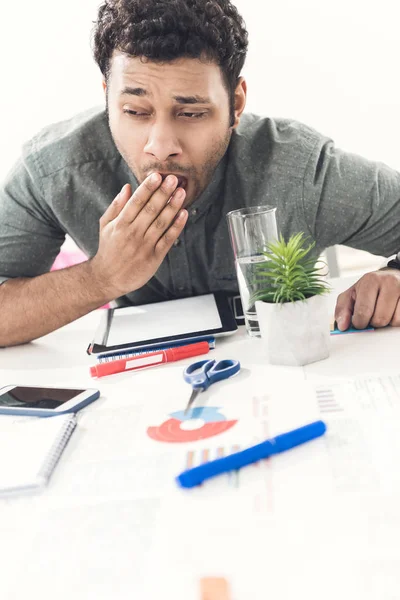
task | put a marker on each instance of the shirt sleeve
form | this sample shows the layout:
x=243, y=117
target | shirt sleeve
x=30, y=236
x=352, y=201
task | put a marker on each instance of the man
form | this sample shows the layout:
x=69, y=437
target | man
x=176, y=153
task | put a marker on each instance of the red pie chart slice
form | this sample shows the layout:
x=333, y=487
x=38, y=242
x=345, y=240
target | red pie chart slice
x=170, y=431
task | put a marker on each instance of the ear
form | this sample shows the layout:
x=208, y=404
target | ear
x=104, y=87
x=239, y=100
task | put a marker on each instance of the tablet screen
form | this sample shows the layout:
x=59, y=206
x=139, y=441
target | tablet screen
x=163, y=320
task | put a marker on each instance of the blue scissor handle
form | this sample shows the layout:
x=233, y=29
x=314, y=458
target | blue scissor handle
x=209, y=371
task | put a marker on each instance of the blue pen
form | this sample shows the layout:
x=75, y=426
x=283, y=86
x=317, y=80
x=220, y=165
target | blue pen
x=235, y=461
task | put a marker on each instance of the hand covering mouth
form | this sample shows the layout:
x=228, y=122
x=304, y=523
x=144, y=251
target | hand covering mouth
x=182, y=180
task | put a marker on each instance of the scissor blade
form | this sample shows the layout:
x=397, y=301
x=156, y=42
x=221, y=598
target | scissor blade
x=192, y=398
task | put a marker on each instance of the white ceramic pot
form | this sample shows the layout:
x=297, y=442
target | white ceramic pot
x=295, y=333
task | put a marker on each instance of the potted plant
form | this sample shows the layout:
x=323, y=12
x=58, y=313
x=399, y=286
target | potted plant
x=291, y=303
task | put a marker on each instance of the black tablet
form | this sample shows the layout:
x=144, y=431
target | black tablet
x=163, y=323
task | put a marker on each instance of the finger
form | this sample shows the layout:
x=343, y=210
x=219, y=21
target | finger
x=344, y=309
x=166, y=241
x=147, y=201
x=367, y=290
x=151, y=211
x=140, y=196
x=395, y=322
x=385, y=305
x=116, y=206
x=166, y=217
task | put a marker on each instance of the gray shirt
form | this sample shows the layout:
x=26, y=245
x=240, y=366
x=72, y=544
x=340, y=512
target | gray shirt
x=70, y=172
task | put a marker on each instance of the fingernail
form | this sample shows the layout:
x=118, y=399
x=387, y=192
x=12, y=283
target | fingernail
x=170, y=180
x=339, y=322
x=154, y=178
x=179, y=194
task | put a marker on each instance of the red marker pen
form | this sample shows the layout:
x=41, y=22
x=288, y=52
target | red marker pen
x=149, y=360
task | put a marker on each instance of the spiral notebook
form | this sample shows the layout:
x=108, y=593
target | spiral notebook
x=30, y=449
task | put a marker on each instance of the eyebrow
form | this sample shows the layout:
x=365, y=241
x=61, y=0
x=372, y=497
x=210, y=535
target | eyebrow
x=138, y=91
x=192, y=100
x=134, y=91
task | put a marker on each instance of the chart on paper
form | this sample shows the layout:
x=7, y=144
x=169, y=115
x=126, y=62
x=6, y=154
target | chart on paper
x=363, y=417
x=361, y=395
x=198, y=424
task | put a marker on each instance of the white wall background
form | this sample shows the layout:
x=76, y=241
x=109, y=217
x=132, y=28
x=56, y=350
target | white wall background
x=333, y=65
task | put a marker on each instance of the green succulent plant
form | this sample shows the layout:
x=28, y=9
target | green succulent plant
x=289, y=273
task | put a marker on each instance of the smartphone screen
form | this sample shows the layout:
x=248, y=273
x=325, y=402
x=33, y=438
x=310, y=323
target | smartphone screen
x=37, y=397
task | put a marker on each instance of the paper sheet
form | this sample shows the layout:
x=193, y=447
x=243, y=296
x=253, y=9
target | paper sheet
x=130, y=447
x=326, y=508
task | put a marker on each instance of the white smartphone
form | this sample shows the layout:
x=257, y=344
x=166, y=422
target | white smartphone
x=43, y=401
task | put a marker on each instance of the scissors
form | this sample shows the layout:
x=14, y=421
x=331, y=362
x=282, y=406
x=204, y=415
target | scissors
x=204, y=373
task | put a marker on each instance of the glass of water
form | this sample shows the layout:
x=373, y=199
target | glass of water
x=251, y=230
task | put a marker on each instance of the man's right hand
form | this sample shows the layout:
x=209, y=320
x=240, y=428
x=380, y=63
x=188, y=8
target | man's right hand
x=136, y=232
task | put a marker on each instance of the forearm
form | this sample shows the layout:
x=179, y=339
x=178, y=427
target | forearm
x=133, y=242
x=31, y=308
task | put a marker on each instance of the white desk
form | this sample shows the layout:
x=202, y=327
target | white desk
x=113, y=525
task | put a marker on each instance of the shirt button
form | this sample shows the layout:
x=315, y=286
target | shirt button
x=194, y=212
x=177, y=242
x=181, y=288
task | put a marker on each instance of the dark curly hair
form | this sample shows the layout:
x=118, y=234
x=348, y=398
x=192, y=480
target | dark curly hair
x=163, y=30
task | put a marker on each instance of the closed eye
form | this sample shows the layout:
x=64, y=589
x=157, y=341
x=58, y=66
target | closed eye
x=193, y=115
x=135, y=113
x=186, y=115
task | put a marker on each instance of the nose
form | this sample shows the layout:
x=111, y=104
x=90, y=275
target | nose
x=162, y=142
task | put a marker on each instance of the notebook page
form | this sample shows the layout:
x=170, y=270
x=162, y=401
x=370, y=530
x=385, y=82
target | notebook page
x=26, y=446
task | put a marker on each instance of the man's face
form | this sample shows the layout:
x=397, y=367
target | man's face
x=169, y=117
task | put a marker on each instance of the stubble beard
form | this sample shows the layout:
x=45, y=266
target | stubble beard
x=200, y=178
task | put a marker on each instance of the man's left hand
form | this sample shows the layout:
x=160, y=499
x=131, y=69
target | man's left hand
x=373, y=300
